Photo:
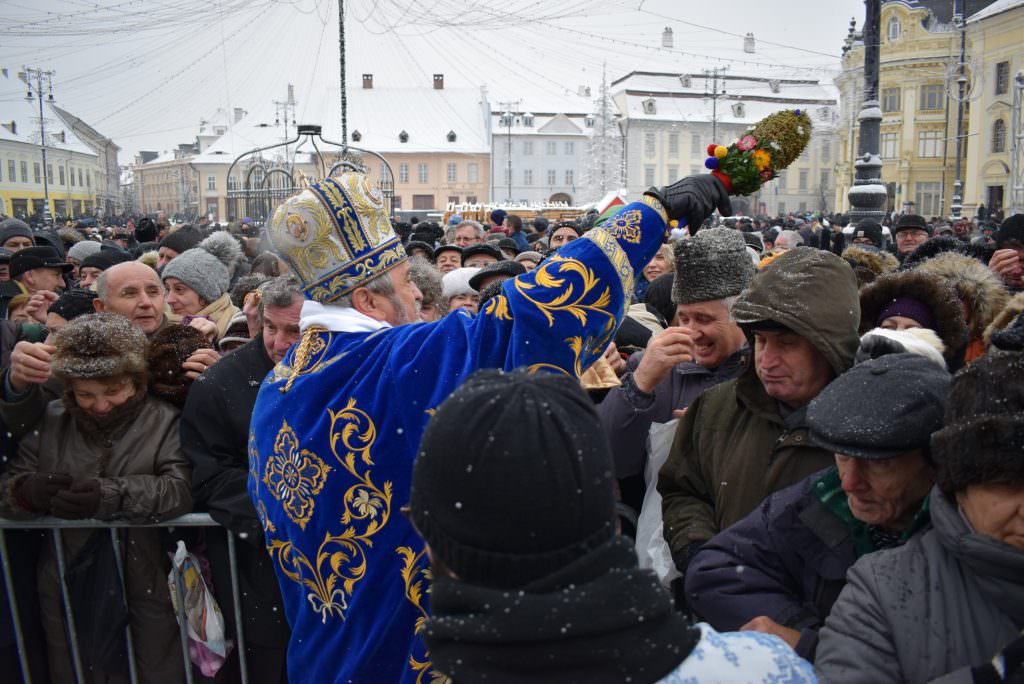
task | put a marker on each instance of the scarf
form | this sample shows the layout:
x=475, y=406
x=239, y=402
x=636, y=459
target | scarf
x=599, y=619
x=110, y=427
x=337, y=318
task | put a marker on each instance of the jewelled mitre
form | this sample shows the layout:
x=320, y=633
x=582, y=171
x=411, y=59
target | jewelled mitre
x=336, y=236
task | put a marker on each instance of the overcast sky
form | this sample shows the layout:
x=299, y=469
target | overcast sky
x=145, y=72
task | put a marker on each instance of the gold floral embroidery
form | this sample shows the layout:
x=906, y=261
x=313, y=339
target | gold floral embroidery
x=625, y=225
x=654, y=204
x=573, y=287
x=414, y=574
x=309, y=357
x=340, y=561
x=294, y=476
x=618, y=258
x=498, y=307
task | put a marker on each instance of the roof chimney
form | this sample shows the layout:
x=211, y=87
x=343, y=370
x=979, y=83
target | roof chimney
x=748, y=43
x=367, y=81
x=438, y=81
x=666, y=37
x=239, y=114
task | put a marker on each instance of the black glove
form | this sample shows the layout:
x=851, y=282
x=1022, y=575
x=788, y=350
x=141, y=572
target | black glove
x=683, y=557
x=694, y=197
x=82, y=500
x=36, y=491
x=1011, y=660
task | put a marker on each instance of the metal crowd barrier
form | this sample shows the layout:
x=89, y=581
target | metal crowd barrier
x=55, y=525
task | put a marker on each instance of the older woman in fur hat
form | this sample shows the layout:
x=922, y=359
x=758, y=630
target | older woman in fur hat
x=109, y=451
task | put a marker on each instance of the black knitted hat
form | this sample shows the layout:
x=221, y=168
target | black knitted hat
x=514, y=478
x=983, y=440
x=73, y=303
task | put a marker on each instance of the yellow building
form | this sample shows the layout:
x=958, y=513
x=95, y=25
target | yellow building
x=73, y=174
x=166, y=183
x=996, y=40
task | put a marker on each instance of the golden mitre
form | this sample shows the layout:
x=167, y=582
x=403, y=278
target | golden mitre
x=335, y=235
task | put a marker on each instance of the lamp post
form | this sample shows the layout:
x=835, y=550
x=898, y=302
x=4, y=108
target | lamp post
x=956, y=206
x=868, y=195
x=39, y=76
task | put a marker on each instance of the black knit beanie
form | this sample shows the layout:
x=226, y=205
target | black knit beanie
x=983, y=440
x=182, y=240
x=73, y=303
x=514, y=479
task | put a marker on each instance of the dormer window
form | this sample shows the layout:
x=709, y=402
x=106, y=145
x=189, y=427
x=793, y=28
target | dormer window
x=528, y=120
x=451, y=136
x=650, y=106
x=894, y=28
x=739, y=110
x=403, y=137
x=506, y=120
x=588, y=121
x=775, y=85
x=685, y=80
x=356, y=136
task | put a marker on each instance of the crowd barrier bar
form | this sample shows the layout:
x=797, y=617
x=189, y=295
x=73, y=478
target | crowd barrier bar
x=55, y=525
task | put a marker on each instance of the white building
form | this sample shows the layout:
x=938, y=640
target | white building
x=539, y=144
x=669, y=119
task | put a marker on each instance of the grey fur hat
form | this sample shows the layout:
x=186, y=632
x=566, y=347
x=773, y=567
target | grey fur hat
x=206, y=268
x=101, y=345
x=712, y=265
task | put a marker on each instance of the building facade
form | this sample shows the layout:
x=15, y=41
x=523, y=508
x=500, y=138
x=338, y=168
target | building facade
x=74, y=174
x=668, y=120
x=435, y=140
x=538, y=146
x=918, y=93
x=167, y=183
x=108, y=195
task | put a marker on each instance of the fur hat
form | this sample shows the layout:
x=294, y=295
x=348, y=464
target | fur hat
x=207, y=268
x=713, y=265
x=69, y=236
x=983, y=437
x=100, y=345
x=168, y=349
x=876, y=261
x=928, y=292
x=976, y=286
x=920, y=341
x=427, y=280
x=940, y=245
x=1009, y=313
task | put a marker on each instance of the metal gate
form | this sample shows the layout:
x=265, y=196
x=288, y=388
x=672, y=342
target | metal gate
x=273, y=173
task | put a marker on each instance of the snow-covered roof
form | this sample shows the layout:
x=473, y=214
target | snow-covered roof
x=747, y=99
x=25, y=115
x=995, y=8
x=378, y=115
x=165, y=156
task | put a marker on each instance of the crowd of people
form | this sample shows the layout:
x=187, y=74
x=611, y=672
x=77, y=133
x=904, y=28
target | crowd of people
x=840, y=497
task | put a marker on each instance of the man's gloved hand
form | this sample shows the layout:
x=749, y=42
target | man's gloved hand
x=693, y=197
x=1011, y=665
x=38, y=489
x=81, y=500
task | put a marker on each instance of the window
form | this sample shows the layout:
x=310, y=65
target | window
x=824, y=179
x=782, y=207
x=673, y=144
x=37, y=175
x=927, y=198
x=648, y=144
x=453, y=199
x=890, y=99
x=422, y=201
x=570, y=148
x=11, y=177
x=422, y=169
x=1002, y=78
x=648, y=175
x=694, y=170
x=931, y=97
x=527, y=147
x=403, y=173
x=570, y=176
x=452, y=172
x=551, y=149
x=396, y=202
x=211, y=209
x=527, y=176
x=826, y=151
x=24, y=172
x=470, y=199
x=232, y=183
x=211, y=183
x=673, y=174
x=508, y=176
x=929, y=144
x=803, y=179
x=49, y=174
x=780, y=180
x=88, y=179
x=999, y=136
x=80, y=183
x=894, y=28
x=738, y=110
x=890, y=145
x=802, y=208
x=650, y=106
x=552, y=176
x=403, y=137
x=695, y=148
x=471, y=172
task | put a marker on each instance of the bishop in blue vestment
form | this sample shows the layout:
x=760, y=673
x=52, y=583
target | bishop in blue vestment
x=338, y=422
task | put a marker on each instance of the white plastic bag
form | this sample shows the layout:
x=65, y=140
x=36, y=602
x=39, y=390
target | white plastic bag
x=207, y=646
x=651, y=548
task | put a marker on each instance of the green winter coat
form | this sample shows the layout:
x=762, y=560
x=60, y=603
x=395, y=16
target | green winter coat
x=733, y=447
